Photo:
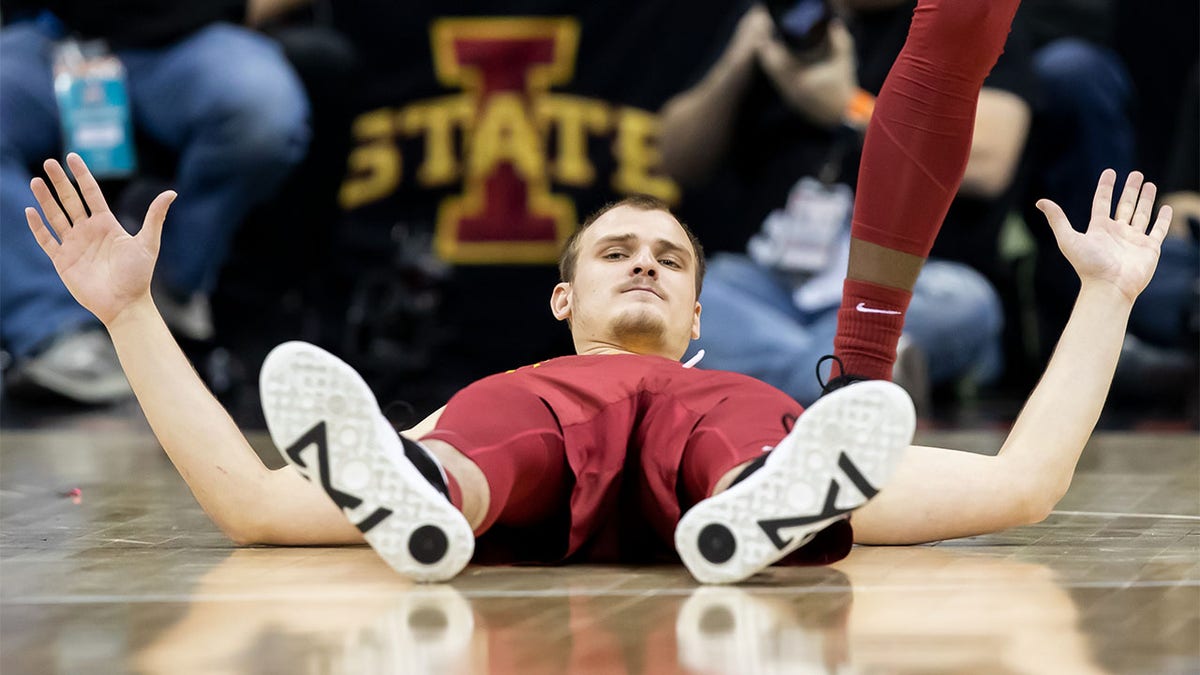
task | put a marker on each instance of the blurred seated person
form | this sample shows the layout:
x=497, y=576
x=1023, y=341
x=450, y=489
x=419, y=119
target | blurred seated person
x=1097, y=110
x=218, y=95
x=1159, y=358
x=787, y=152
x=1083, y=121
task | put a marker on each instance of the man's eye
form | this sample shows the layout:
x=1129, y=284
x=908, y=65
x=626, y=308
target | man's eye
x=614, y=255
x=669, y=262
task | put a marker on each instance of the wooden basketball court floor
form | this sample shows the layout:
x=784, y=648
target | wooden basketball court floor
x=128, y=575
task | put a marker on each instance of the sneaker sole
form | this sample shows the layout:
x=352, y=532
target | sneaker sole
x=842, y=449
x=317, y=405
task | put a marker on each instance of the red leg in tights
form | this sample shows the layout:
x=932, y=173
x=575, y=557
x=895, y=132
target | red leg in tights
x=916, y=150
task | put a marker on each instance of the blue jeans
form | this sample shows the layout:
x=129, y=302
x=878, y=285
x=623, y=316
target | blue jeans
x=224, y=99
x=749, y=324
x=1162, y=312
x=1086, y=109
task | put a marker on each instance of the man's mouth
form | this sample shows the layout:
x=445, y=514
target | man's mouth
x=643, y=289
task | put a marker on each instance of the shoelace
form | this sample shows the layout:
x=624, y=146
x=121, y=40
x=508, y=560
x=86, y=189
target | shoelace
x=841, y=369
x=835, y=382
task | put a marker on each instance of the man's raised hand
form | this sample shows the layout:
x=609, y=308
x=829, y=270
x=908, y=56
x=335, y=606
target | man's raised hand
x=104, y=267
x=1119, y=249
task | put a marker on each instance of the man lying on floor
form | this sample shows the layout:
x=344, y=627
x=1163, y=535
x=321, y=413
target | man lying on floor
x=610, y=454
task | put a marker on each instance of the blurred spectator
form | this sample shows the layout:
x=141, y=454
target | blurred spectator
x=220, y=96
x=260, y=299
x=1171, y=301
x=1107, y=104
x=767, y=315
x=1082, y=125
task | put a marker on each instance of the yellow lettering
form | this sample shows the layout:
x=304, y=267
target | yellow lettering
x=637, y=156
x=504, y=133
x=438, y=119
x=573, y=117
x=375, y=166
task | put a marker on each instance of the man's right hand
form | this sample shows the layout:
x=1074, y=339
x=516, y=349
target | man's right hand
x=105, y=268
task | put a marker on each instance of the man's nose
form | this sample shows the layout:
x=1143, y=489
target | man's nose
x=644, y=263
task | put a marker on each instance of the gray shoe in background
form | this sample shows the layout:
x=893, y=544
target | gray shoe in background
x=81, y=365
x=911, y=372
x=189, y=317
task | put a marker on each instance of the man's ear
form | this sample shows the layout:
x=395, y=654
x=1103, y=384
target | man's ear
x=696, y=323
x=560, y=301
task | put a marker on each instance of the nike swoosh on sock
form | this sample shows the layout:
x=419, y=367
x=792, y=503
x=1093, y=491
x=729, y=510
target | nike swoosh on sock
x=862, y=307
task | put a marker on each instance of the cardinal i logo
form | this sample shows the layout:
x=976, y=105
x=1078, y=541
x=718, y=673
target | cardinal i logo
x=506, y=112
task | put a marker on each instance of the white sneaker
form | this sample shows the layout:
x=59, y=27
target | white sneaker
x=327, y=424
x=842, y=449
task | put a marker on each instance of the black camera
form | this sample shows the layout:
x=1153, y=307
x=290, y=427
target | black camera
x=803, y=24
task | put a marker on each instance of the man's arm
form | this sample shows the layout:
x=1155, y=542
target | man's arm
x=109, y=273
x=941, y=494
x=259, y=12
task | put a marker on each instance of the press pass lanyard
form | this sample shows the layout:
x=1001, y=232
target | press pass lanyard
x=93, y=105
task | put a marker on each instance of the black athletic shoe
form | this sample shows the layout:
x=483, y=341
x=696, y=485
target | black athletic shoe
x=910, y=371
x=837, y=456
x=841, y=380
x=326, y=423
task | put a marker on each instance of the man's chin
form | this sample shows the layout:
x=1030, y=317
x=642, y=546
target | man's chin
x=639, y=328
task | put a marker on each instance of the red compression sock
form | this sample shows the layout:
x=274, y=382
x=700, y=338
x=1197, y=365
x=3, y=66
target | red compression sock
x=869, y=325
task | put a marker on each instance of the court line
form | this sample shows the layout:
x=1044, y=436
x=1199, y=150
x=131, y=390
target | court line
x=436, y=593
x=1109, y=514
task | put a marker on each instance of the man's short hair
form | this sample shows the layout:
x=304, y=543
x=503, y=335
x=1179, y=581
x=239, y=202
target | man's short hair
x=570, y=253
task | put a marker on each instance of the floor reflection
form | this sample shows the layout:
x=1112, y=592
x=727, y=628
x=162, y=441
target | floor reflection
x=881, y=610
x=265, y=611
x=729, y=630
x=135, y=578
x=922, y=609
x=292, y=611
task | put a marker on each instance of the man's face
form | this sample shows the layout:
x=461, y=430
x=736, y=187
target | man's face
x=634, y=287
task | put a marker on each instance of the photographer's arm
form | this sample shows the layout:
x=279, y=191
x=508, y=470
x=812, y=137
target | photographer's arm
x=697, y=123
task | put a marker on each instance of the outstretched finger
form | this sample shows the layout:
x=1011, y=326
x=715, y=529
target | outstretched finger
x=1102, y=202
x=40, y=232
x=87, y=184
x=155, y=215
x=54, y=215
x=67, y=195
x=1162, y=225
x=1145, y=208
x=1129, y=197
x=1058, y=220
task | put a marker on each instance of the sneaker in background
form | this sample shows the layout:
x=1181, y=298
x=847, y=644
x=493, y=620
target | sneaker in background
x=80, y=365
x=190, y=317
